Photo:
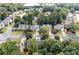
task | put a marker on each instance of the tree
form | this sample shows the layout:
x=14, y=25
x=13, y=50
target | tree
x=32, y=46
x=56, y=17
x=17, y=21
x=57, y=37
x=75, y=43
x=47, y=8
x=44, y=46
x=1, y=51
x=28, y=18
x=73, y=27
x=35, y=12
x=66, y=42
x=44, y=32
x=24, y=18
x=54, y=31
x=72, y=10
x=29, y=35
x=41, y=19
x=43, y=51
x=44, y=36
x=60, y=14
x=3, y=13
x=69, y=50
x=56, y=48
x=49, y=46
x=10, y=48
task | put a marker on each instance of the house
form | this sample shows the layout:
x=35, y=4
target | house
x=52, y=36
x=40, y=10
x=34, y=27
x=2, y=25
x=20, y=11
x=76, y=12
x=76, y=16
x=49, y=26
x=59, y=26
x=35, y=18
x=23, y=26
x=69, y=16
x=47, y=13
x=69, y=19
x=38, y=38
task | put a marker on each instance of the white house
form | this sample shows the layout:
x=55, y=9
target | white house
x=69, y=19
x=38, y=38
x=2, y=25
x=52, y=36
x=47, y=13
x=23, y=26
x=59, y=26
x=20, y=11
x=76, y=16
x=35, y=18
x=69, y=16
x=49, y=26
x=34, y=27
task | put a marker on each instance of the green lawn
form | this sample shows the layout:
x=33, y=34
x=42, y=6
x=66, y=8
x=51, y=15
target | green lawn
x=17, y=32
x=3, y=30
x=58, y=33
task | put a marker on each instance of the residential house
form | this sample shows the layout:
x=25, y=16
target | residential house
x=69, y=19
x=59, y=26
x=76, y=16
x=48, y=25
x=38, y=38
x=2, y=25
x=23, y=26
x=47, y=13
x=52, y=36
x=34, y=27
x=35, y=18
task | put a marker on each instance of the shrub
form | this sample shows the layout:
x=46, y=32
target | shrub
x=29, y=35
x=45, y=36
x=54, y=31
x=57, y=37
x=28, y=30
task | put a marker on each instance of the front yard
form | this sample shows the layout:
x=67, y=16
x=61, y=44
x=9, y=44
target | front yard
x=3, y=30
x=17, y=32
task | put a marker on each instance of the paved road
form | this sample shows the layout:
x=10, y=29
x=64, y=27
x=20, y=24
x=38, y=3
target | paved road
x=4, y=36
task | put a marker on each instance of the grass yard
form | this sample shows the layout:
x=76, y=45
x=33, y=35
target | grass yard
x=17, y=32
x=58, y=33
x=3, y=30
